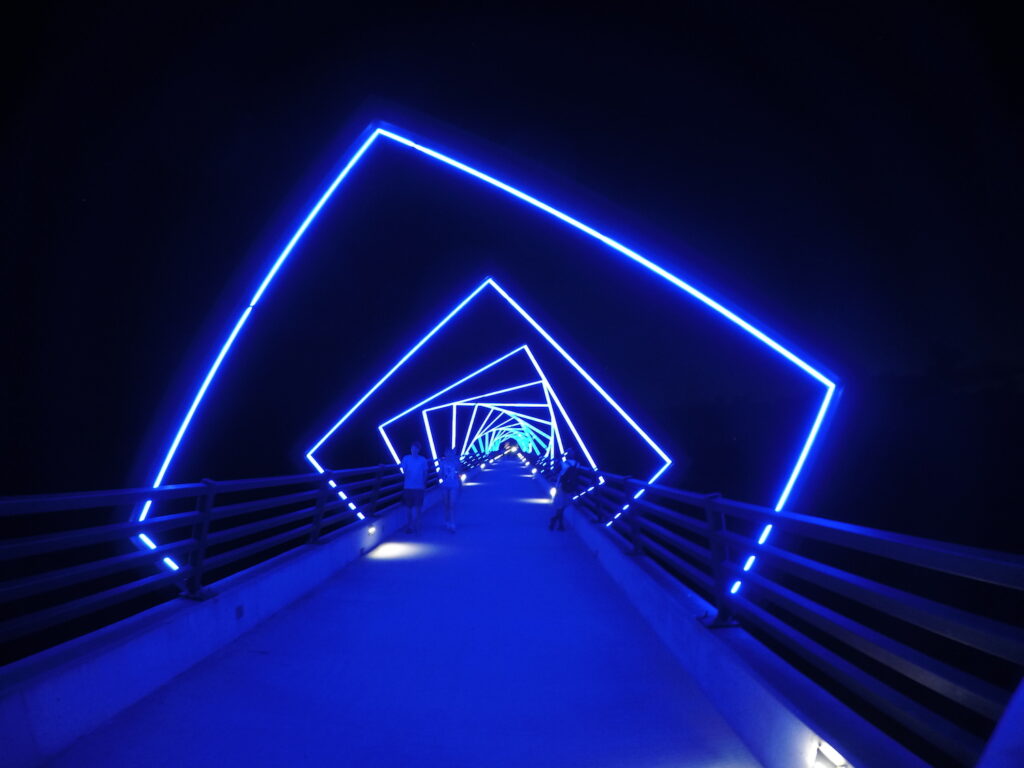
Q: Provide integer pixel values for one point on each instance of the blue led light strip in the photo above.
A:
(532, 434)
(518, 418)
(463, 380)
(392, 135)
(553, 395)
(502, 425)
(472, 420)
(549, 394)
(478, 399)
(500, 407)
(489, 422)
(430, 438)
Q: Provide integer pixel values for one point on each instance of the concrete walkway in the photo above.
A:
(503, 644)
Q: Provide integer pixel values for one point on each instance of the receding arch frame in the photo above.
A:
(380, 133)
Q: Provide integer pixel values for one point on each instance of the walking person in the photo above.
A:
(565, 486)
(414, 467)
(450, 484)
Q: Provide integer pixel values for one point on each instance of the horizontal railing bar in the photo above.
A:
(620, 540)
(257, 483)
(386, 502)
(993, 637)
(388, 499)
(241, 531)
(946, 735)
(980, 565)
(591, 504)
(608, 476)
(56, 542)
(690, 572)
(587, 505)
(226, 558)
(700, 527)
(388, 488)
(245, 507)
(614, 497)
(624, 527)
(358, 499)
(969, 691)
(687, 497)
(656, 525)
(40, 620)
(355, 485)
(337, 505)
(655, 531)
(77, 574)
(68, 502)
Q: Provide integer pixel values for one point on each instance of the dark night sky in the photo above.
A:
(850, 177)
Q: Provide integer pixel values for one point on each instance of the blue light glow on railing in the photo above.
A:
(418, 146)
(341, 494)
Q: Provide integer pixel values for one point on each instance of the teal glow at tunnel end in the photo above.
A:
(393, 135)
(491, 283)
(552, 400)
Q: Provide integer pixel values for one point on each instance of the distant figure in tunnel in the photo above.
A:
(565, 486)
(450, 483)
(414, 467)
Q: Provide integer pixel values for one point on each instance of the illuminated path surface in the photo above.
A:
(501, 645)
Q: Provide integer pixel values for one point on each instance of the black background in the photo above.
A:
(848, 176)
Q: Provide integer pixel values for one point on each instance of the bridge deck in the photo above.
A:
(501, 645)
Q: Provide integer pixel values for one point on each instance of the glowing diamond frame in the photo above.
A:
(382, 132)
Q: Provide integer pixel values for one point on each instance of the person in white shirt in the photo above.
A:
(414, 467)
(450, 483)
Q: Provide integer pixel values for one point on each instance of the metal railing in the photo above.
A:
(846, 604)
(871, 615)
(60, 584)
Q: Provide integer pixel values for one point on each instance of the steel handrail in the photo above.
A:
(722, 543)
(60, 585)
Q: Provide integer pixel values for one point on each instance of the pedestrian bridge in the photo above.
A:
(299, 628)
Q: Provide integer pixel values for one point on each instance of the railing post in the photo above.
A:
(719, 553)
(322, 497)
(194, 584)
(378, 477)
(630, 487)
